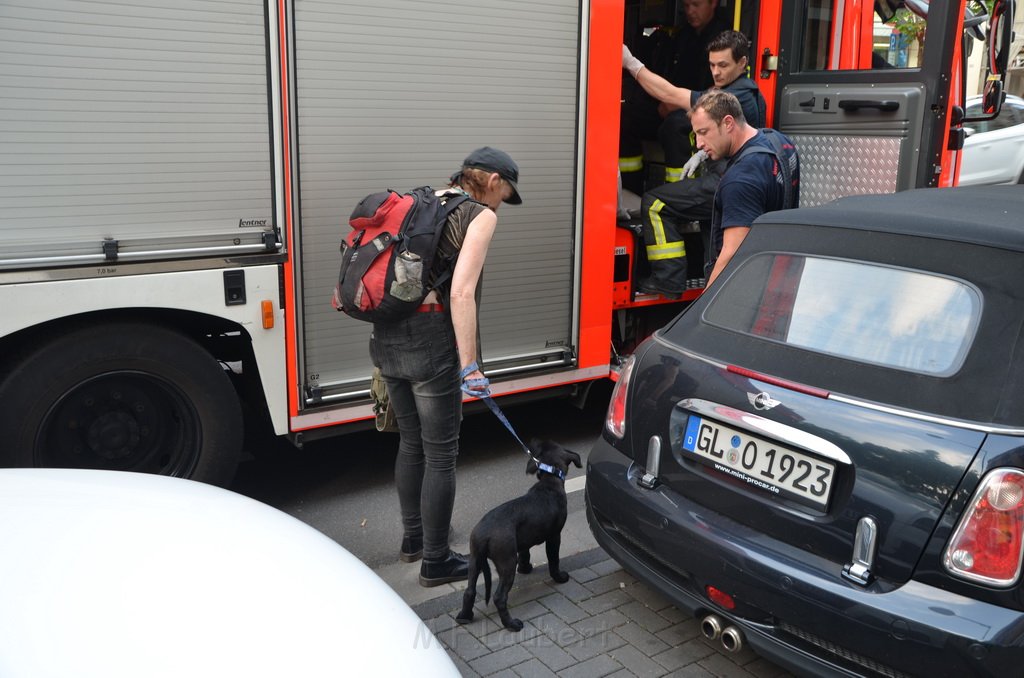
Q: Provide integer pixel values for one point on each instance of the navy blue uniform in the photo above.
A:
(752, 185)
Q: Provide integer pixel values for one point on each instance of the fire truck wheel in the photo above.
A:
(125, 397)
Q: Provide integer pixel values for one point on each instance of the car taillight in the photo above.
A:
(616, 419)
(986, 546)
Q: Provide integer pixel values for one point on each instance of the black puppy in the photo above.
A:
(506, 533)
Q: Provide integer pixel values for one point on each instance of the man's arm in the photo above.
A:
(742, 201)
(655, 85)
(732, 238)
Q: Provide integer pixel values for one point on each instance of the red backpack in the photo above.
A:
(387, 258)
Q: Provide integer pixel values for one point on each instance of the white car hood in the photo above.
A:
(114, 575)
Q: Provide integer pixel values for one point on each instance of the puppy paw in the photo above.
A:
(525, 568)
(465, 617)
(514, 625)
(560, 577)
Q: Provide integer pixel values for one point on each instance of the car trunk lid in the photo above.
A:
(800, 465)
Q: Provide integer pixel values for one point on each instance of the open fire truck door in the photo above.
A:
(871, 94)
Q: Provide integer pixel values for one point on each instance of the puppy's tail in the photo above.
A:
(485, 567)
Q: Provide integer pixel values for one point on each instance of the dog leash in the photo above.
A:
(481, 388)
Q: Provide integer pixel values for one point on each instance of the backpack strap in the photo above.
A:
(774, 138)
(354, 268)
(449, 203)
(366, 207)
(780, 156)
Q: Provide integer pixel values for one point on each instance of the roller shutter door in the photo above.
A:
(394, 94)
(144, 122)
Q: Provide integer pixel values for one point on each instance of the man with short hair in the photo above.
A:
(665, 209)
(755, 180)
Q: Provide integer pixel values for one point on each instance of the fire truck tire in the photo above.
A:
(124, 397)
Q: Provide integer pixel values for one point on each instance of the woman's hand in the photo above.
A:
(474, 383)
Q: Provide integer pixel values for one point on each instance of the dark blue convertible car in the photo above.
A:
(823, 456)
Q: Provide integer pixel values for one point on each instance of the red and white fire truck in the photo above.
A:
(175, 178)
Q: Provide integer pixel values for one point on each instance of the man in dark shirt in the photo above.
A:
(754, 182)
(690, 44)
(683, 65)
(667, 208)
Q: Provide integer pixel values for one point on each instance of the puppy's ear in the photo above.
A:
(574, 458)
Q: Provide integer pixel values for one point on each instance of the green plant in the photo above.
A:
(909, 24)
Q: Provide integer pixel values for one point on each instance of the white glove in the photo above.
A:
(630, 63)
(690, 168)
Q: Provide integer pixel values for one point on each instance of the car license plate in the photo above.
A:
(767, 466)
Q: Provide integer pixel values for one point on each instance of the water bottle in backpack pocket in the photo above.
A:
(408, 283)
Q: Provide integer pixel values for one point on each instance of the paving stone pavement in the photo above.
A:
(602, 622)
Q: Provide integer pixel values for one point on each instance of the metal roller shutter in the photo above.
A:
(394, 94)
(146, 122)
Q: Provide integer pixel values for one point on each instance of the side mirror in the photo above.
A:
(997, 49)
(992, 100)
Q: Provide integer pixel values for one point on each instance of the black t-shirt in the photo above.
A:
(751, 186)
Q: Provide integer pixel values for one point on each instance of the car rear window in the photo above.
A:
(894, 317)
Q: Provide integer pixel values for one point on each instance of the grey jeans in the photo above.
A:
(420, 365)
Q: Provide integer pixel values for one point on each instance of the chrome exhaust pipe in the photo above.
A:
(732, 640)
(711, 626)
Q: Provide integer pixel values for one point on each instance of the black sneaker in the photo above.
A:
(412, 549)
(451, 569)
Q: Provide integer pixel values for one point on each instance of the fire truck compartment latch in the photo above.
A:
(769, 63)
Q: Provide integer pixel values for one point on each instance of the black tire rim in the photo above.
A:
(122, 421)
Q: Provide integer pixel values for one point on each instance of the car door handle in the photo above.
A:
(857, 104)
